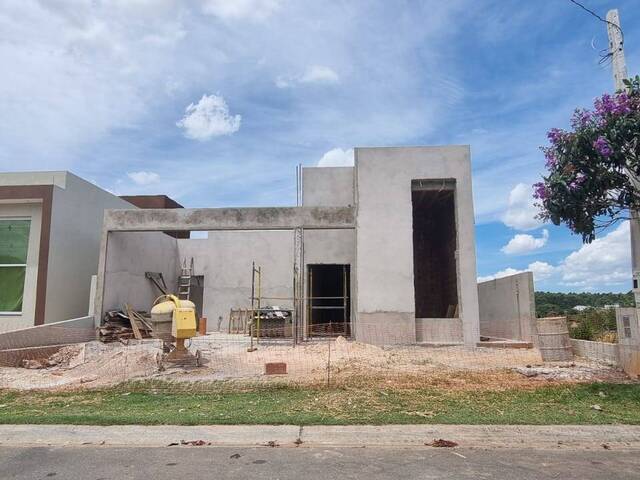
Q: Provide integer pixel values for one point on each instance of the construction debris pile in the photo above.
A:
(123, 325)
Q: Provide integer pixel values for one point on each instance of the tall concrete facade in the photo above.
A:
(396, 231)
(386, 260)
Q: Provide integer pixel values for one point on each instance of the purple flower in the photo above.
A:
(550, 156)
(539, 191)
(581, 118)
(623, 104)
(556, 135)
(619, 104)
(602, 146)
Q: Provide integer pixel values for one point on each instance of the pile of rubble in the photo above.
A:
(123, 325)
(573, 371)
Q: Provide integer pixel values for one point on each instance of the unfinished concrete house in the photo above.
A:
(383, 252)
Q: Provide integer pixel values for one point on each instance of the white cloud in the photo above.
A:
(315, 74)
(208, 118)
(604, 263)
(319, 74)
(240, 9)
(502, 273)
(144, 178)
(541, 271)
(337, 157)
(607, 260)
(75, 71)
(521, 211)
(524, 243)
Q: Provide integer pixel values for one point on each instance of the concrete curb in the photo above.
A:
(468, 436)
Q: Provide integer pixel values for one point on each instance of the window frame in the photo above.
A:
(23, 265)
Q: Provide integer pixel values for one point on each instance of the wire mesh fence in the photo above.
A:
(272, 358)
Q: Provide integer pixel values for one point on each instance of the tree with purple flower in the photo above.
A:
(593, 170)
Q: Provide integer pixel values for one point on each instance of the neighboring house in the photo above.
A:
(156, 201)
(50, 232)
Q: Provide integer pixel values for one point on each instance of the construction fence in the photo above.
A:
(238, 357)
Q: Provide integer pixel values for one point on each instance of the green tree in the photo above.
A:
(594, 168)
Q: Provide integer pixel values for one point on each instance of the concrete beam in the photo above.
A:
(268, 218)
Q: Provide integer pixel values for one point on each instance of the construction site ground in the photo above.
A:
(228, 357)
(327, 382)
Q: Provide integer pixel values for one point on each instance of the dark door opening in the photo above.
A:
(329, 300)
(434, 249)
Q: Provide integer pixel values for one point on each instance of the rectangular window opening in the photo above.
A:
(329, 302)
(14, 245)
(626, 324)
(434, 248)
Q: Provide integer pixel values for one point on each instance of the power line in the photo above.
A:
(605, 55)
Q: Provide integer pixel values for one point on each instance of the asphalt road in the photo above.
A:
(101, 463)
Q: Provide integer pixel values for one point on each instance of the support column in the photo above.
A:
(298, 284)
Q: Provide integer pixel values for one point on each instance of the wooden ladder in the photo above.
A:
(184, 281)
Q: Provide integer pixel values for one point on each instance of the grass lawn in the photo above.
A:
(151, 404)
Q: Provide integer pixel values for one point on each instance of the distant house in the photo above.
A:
(581, 308)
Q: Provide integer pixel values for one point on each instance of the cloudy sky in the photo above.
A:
(214, 102)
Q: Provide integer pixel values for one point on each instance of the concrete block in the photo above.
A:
(385, 328)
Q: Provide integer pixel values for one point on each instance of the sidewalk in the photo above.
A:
(469, 436)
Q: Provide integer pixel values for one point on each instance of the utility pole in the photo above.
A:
(619, 74)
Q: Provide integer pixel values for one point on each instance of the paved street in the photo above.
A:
(102, 463)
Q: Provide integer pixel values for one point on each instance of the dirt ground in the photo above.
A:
(226, 357)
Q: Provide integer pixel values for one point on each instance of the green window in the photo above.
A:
(14, 243)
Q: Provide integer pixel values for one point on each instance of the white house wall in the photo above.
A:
(76, 226)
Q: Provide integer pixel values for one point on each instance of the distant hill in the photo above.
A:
(550, 303)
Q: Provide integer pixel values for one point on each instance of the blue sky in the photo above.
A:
(103, 88)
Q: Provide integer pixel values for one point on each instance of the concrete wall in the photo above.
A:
(596, 351)
(629, 346)
(439, 330)
(328, 186)
(224, 259)
(33, 211)
(129, 256)
(384, 238)
(634, 326)
(76, 228)
(70, 331)
(507, 308)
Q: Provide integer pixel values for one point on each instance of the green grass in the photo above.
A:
(151, 404)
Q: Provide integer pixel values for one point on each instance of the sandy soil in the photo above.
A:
(94, 364)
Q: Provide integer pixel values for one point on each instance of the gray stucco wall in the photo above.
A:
(328, 186)
(508, 308)
(76, 228)
(129, 256)
(384, 238)
(224, 259)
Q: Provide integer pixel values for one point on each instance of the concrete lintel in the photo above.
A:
(198, 219)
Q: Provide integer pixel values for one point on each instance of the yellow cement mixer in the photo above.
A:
(174, 320)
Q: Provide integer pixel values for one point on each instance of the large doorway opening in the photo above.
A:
(329, 300)
(434, 248)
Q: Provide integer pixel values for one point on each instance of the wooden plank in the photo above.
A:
(134, 324)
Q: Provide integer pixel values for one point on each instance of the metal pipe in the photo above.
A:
(344, 300)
